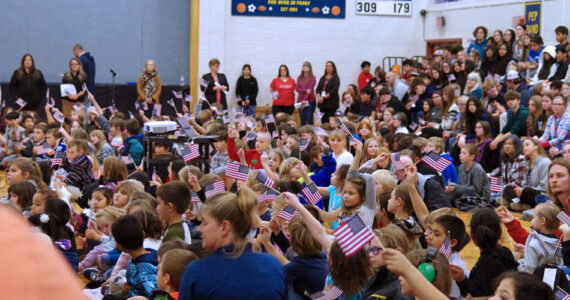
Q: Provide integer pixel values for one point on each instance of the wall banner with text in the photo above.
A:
(332, 9)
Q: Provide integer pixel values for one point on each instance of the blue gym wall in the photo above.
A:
(120, 34)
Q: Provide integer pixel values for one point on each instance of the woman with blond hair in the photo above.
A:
(149, 85)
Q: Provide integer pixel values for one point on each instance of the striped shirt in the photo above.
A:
(557, 130)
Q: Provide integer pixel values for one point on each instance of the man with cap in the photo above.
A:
(514, 82)
(561, 62)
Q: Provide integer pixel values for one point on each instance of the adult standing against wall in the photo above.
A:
(216, 84)
(283, 91)
(76, 76)
(149, 86)
(327, 91)
(246, 90)
(305, 87)
(88, 63)
(28, 83)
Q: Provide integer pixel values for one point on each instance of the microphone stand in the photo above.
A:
(113, 88)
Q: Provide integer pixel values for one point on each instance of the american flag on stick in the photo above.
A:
(321, 132)
(445, 248)
(274, 134)
(268, 182)
(312, 194)
(329, 294)
(269, 118)
(188, 98)
(343, 127)
(21, 102)
(288, 213)
(250, 136)
(214, 188)
(177, 94)
(57, 160)
(156, 110)
(436, 161)
(495, 186)
(560, 294)
(270, 194)
(353, 235)
(58, 116)
(237, 171)
(203, 82)
(303, 143)
(113, 109)
(171, 103)
(190, 152)
(78, 107)
(195, 198)
(127, 160)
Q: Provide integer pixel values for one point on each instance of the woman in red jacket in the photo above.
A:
(283, 92)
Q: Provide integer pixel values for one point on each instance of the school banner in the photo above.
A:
(331, 9)
(532, 16)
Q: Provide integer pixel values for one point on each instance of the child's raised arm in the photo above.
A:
(418, 204)
(316, 229)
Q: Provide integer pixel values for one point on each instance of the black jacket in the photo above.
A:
(332, 86)
(30, 87)
(209, 92)
(382, 285)
(247, 89)
(487, 268)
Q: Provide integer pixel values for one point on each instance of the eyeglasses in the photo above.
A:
(374, 250)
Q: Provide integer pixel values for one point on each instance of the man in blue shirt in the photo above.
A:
(536, 47)
(88, 63)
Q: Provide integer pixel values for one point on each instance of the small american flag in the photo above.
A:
(312, 194)
(131, 116)
(214, 188)
(321, 132)
(251, 136)
(269, 118)
(353, 235)
(195, 197)
(190, 152)
(21, 102)
(144, 106)
(495, 186)
(396, 162)
(413, 126)
(288, 213)
(156, 110)
(43, 150)
(226, 118)
(57, 160)
(303, 143)
(78, 107)
(237, 171)
(275, 134)
(177, 95)
(203, 82)
(127, 160)
(329, 294)
(564, 218)
(270, 194)
(268, 182)
(343, 127)
(202, 97)
(52, 101)
(58, 116)
(560, 294)
(171, 103)
(113, 109)
(238, 110)
(436, 161)
(445, 248)
(188, 98)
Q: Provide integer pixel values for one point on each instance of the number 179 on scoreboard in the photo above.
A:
(381, 7)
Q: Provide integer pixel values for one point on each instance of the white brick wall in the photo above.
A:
(267, 42)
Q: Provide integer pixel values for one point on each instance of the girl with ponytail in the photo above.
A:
(494, 260)
(227, 219)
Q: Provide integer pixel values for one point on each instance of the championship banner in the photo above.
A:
(331, 9)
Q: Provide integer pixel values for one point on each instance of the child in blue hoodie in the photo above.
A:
(142, 269)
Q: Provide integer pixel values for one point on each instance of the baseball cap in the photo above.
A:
(512, 75)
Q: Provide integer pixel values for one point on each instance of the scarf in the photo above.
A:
(149, 82)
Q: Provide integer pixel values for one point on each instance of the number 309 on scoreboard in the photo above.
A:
(384, 7)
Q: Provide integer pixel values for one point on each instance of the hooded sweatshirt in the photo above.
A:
(538, 250)
(141, 274)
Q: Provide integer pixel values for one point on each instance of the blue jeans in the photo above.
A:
(306, 114)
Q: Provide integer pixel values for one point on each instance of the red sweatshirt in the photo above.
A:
(251, 155)
(363, 80)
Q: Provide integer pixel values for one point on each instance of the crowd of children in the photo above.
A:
(267, 218)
